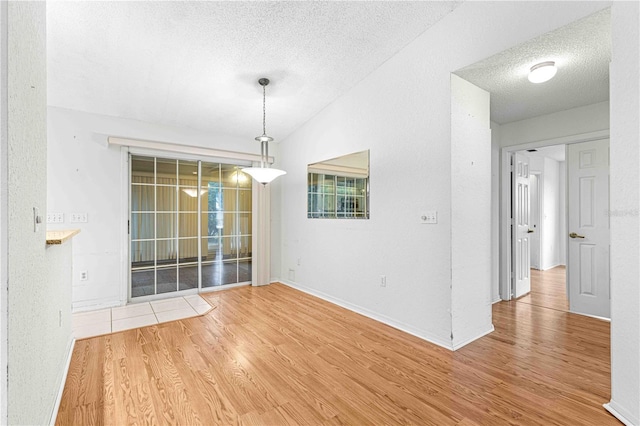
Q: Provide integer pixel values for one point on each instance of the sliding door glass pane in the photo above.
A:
(142, 197)
(142, 226)
(166, 225)
(143, 170)
(244, 270)
(142, 253)
(229, 272)
(166, 171)
(188, 250)
(188, 173)
(210, 173)
(166, 198)
(244, 200)
(166, 252)
(244, 180)
(188, 225)
(166, 279)
(189, 221)
(211, 274)
(211, 249)
(188, 276)
(143, 282)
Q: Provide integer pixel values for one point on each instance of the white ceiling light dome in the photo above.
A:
(544, 71)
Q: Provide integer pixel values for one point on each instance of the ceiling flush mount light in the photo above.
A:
(264, 174)
(542, 72)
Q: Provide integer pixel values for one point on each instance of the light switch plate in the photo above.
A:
(78, 218)
(55, 217)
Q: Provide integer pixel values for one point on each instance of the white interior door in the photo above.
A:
(588, 226)
(521, 227)
(534, 211)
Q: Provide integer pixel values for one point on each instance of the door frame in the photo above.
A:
(505, 289)
(125, 180)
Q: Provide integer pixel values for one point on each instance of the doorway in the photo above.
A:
(547, 224)
(189, 226)
(580, 207)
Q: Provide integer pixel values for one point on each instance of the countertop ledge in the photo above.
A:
(60, 236)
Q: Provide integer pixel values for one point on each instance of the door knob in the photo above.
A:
(574, 235)
(529, 231)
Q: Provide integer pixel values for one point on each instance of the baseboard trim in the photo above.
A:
(97, 306)
(474, 337)
(591, 316)
(546, 268)
(370, 314)
(63, 381)
(620, 414)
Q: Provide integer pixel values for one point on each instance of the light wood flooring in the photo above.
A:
(548, 289)
(274, 356)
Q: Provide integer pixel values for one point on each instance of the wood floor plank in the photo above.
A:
(275, 356)
(548, 289)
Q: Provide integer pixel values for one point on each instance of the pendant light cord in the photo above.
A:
(264, 110)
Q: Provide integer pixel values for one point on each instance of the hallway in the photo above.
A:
(548, 289)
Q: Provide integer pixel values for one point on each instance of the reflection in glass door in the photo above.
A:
(190, 225)
(226, 218)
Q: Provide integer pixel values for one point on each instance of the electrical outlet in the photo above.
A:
(84, 275)
(429, 217)
(383, 280)
(78, 218)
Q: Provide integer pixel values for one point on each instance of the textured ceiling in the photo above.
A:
(196, 64)
(582, 52)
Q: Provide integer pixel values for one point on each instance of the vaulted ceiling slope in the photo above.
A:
(196, 64)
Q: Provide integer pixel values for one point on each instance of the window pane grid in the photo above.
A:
(184, 216)
(331, 196)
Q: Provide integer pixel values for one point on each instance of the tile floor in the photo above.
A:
(105, 321)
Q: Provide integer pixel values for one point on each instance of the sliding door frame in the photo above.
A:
(126, 153)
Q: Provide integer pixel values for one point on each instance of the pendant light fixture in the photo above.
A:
(264, 174)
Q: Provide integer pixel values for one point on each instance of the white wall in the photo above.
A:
(625, 205)
(401, 113)
(276, 222)
(470, 212)
(85, 176)
(495, 212)
(571, 122)
(39, 290)
(536, 164)
(4, 207)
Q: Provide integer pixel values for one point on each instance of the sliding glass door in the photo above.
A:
(226, 239)
(190, 225)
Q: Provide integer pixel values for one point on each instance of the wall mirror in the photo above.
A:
(338, 188)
